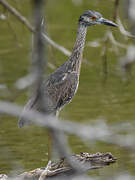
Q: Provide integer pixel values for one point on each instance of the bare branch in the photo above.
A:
(122, 29)
(114, 42)
(62, 170)
(38, 63)
(116, 5)
(99, 132)
(46, 171)
(17, 14)
(52, 122)
(57, 46)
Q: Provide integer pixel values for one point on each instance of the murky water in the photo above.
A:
(112, 100)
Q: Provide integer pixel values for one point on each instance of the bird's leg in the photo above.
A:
(49, 145)
(50, 142)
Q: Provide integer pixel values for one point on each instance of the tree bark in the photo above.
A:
(61, 170)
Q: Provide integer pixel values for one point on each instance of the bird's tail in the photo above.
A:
(21, 122)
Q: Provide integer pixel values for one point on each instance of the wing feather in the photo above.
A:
(58, 91)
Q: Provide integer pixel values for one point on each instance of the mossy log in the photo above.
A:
(61, 169)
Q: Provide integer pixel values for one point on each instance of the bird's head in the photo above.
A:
(89, 18)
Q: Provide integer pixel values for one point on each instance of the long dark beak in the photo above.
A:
(107, 22)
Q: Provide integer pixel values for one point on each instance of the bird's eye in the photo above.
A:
(93, 18)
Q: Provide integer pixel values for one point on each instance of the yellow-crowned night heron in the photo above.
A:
(61, 85)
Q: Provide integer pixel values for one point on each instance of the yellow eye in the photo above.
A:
(93, 18)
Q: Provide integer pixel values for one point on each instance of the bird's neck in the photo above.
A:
(77, 53)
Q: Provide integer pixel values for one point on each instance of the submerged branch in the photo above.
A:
(62, 170)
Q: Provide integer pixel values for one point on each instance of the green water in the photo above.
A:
(113, 100)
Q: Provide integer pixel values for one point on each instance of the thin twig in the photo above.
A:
(52, 122)
(99, 132)
(45, 172)
(17, 14)
(122, 29)
(16, 39)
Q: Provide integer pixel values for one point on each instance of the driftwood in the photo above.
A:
(61, 170)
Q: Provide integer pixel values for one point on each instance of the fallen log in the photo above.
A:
(61, 169)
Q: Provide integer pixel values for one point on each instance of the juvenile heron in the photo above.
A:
(62, 84)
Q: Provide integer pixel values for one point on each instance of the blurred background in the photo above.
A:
(106, 93)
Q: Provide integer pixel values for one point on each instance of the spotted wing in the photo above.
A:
(62, 91)
(58, 91)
